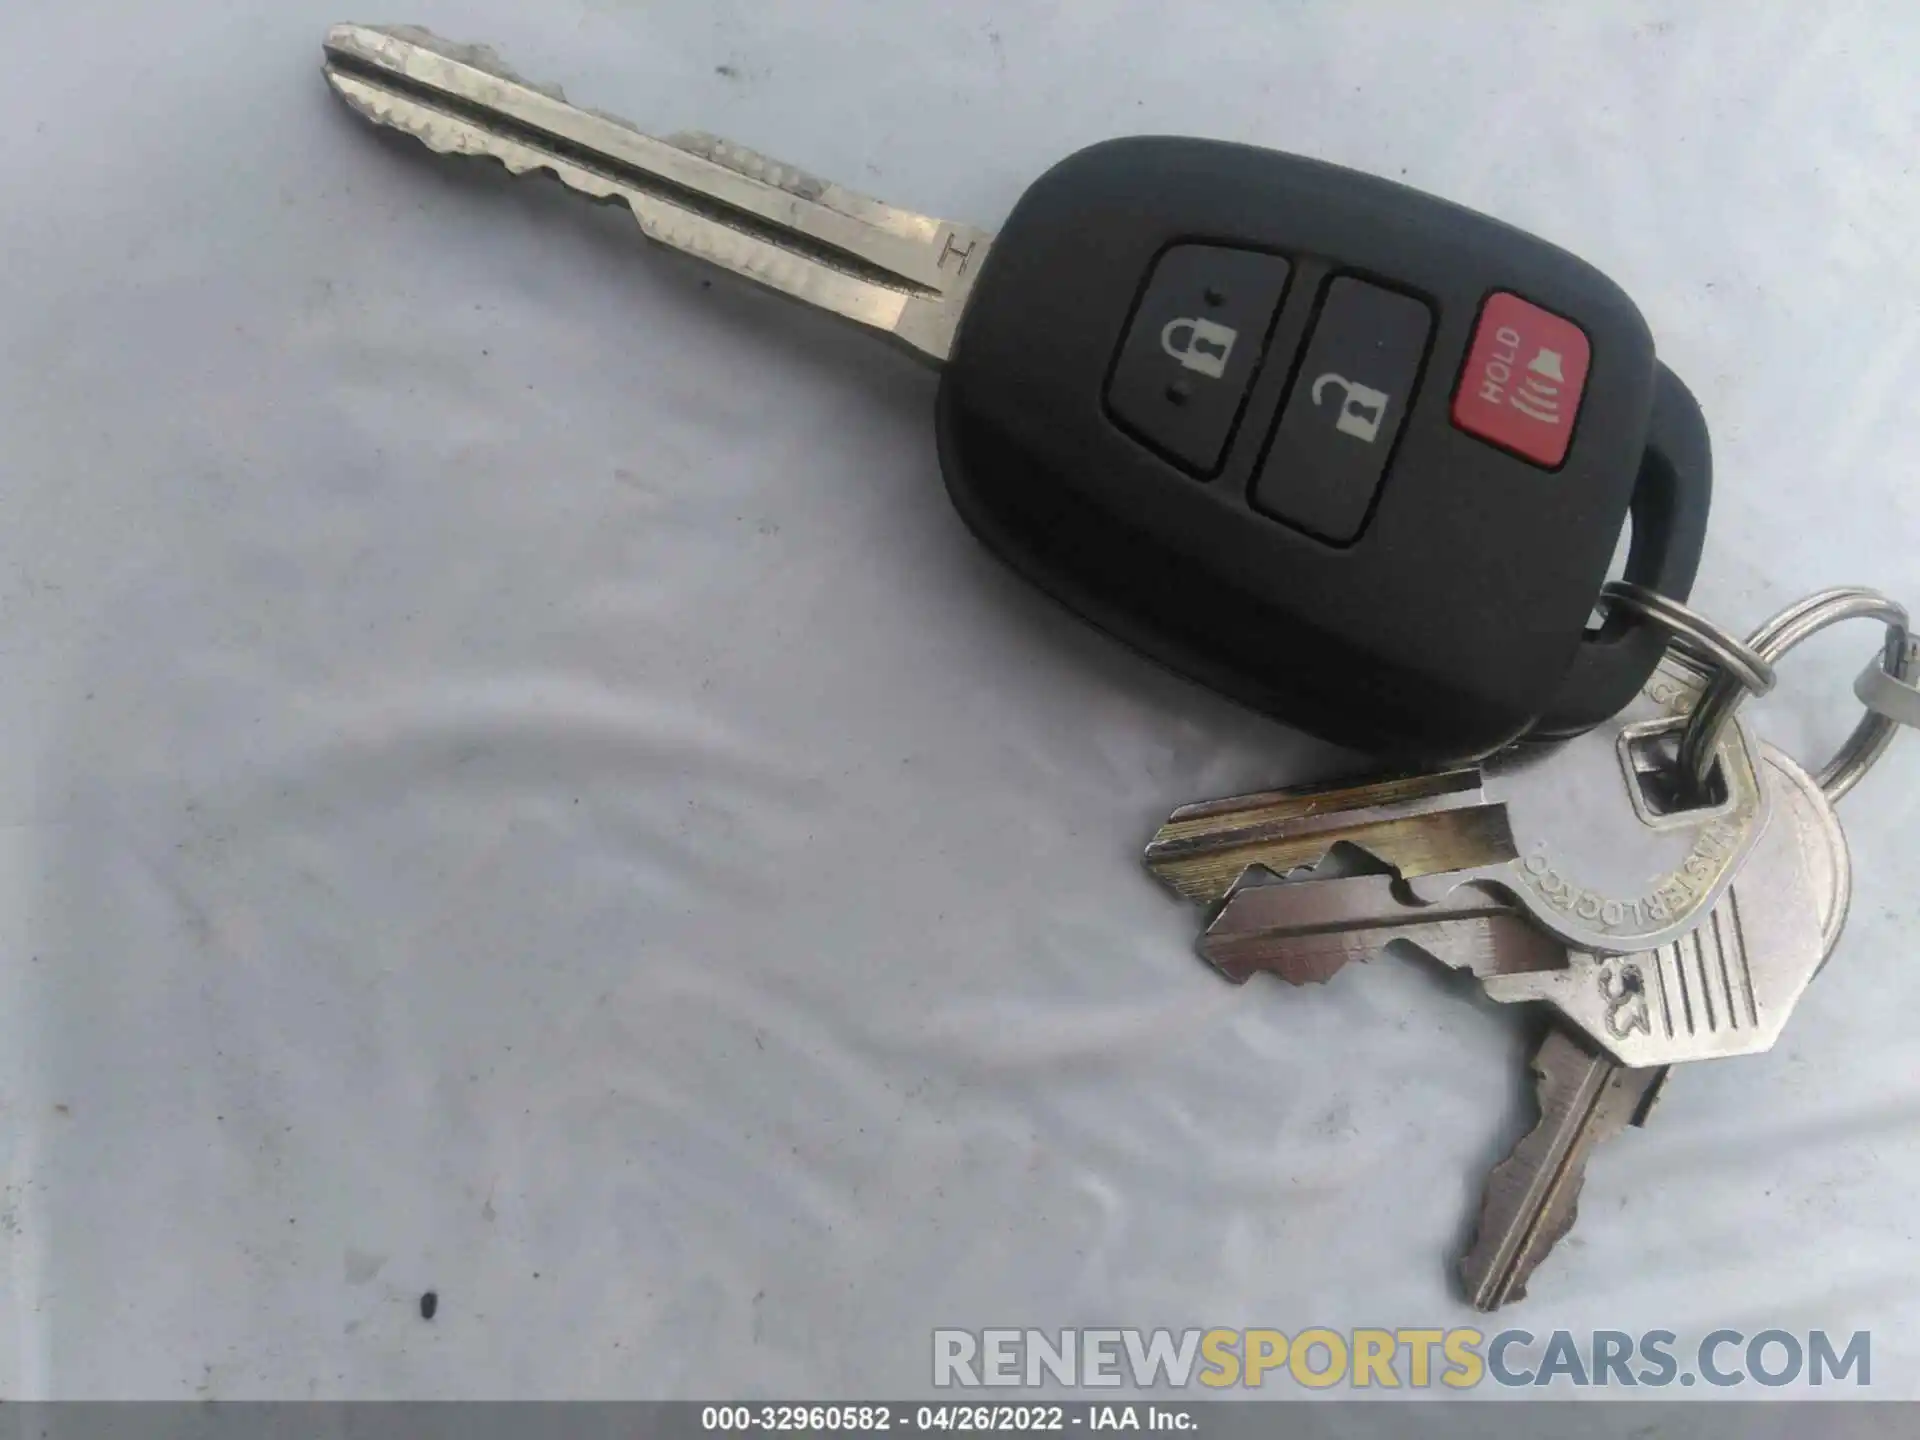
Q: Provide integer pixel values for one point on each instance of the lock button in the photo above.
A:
(1350, 396)
(1192, 350)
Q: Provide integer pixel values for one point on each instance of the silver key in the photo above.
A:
(1725, 988)
(1532, 1197)
(1576, 834)
(904, 275)
(1306, 931)
(1728, 987)
(1729, 993)
(1622, 1022)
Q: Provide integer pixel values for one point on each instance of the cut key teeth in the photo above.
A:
(1306, 931)
(904, 274)
(1419, 825)
(1533, 1196)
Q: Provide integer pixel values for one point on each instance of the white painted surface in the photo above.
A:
(515, 781)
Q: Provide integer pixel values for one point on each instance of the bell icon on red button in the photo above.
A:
(1534, 397)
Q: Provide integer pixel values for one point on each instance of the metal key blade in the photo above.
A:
(902, 274)
(1573, 833)
(1420, 825)
(1306, 931)
(1533, 1195)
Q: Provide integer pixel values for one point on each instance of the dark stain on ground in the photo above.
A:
(732, 72)
(429, 1305)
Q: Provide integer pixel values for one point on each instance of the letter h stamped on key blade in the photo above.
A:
(897, 272)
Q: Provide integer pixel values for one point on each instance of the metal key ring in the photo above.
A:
(1774, 639)
(1692, 634)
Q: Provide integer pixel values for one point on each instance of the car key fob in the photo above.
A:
(1354, 455)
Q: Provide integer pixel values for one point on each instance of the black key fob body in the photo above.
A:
(1353, 455)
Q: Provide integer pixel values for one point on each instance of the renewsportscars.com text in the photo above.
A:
(1406, 1358)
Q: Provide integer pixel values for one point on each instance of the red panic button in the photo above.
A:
(1523, 380)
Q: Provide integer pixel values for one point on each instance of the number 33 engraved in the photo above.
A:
(1625, 992)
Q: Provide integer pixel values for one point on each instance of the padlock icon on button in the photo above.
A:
(1202, 345)
(1361, 411)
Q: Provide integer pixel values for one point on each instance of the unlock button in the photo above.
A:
(1350, 397)
(1192, 349)
(1362, 410)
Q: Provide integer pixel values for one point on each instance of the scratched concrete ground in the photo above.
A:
(516, 783)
